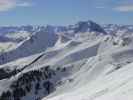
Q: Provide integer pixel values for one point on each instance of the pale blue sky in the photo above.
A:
(63, 12)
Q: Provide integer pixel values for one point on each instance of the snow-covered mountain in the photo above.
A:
(84, 61)
(118, 30)
(38, 39)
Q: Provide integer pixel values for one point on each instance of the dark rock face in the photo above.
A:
(89, 26)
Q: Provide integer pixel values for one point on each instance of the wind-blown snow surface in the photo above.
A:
(81, 62)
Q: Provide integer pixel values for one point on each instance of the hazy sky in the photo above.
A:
(63, 12)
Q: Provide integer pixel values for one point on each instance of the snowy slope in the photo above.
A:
(115, 86)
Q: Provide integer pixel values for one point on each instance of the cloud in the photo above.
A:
(6, 5)
(124, 8)
(24, 4)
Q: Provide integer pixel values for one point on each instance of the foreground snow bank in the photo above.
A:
(114, 86)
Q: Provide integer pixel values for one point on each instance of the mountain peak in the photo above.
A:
(88, 26)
